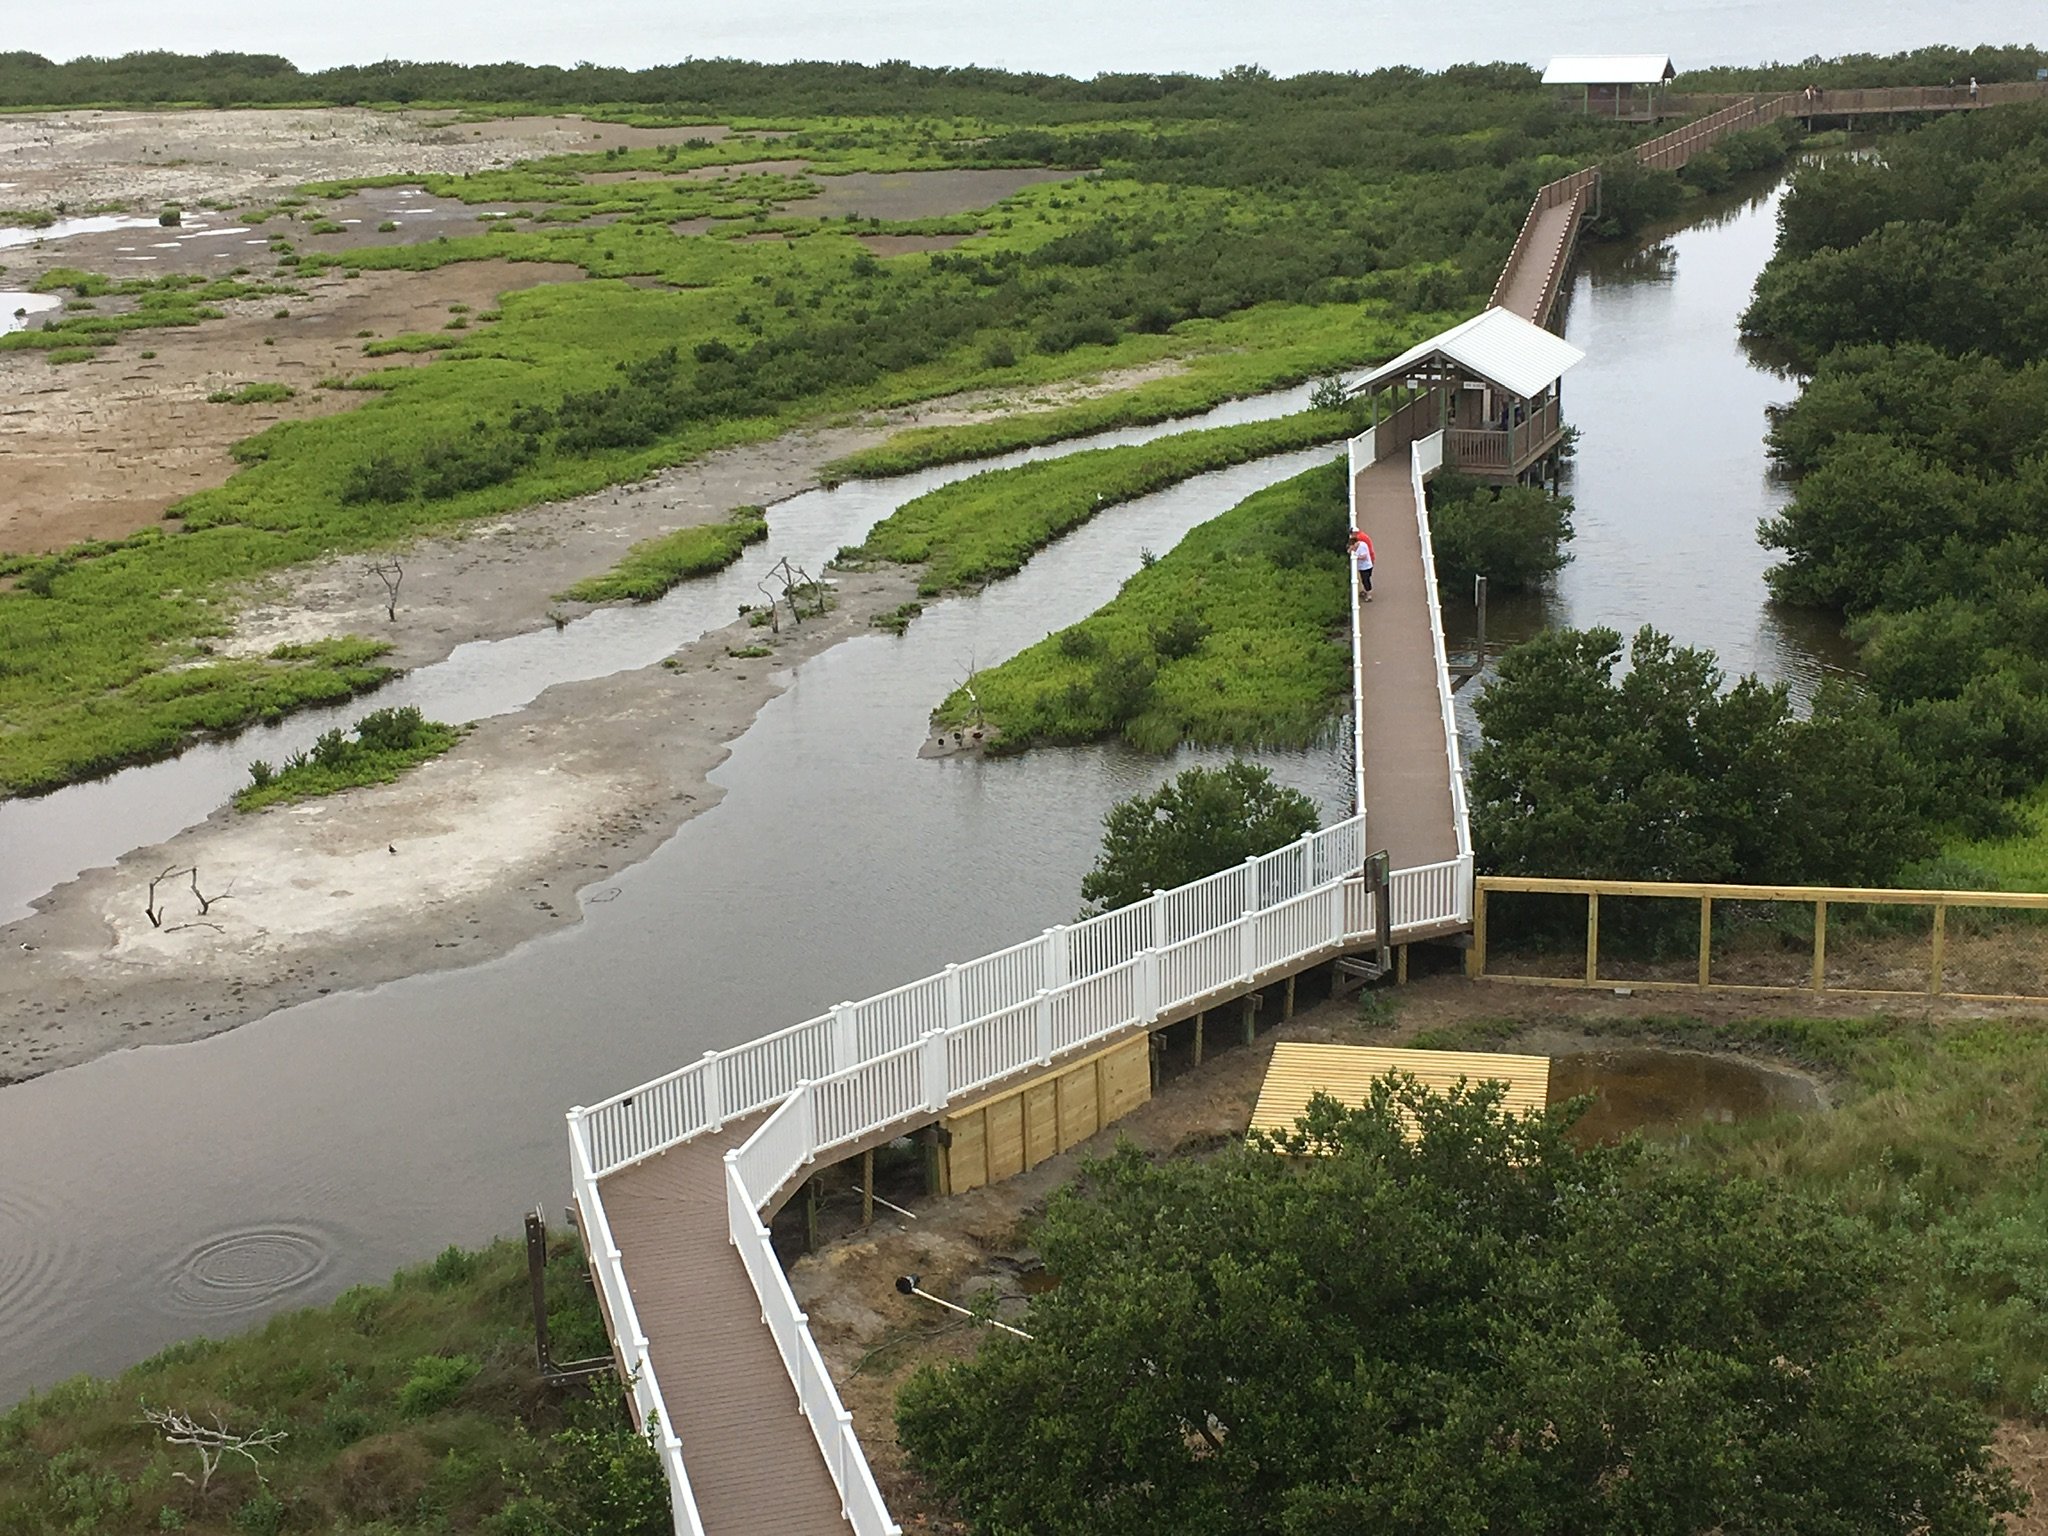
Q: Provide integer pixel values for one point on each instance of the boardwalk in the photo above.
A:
(1406, 761)
(753, 1462)
(722, 1358)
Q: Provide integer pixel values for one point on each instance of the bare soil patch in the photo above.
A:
(918, 194)
(458, 861)
(146, 159)
(99, 449)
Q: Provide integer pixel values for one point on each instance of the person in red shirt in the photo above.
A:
(1361, 560)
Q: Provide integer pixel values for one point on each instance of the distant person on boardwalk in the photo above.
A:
(1973, 90)
(1361, 559)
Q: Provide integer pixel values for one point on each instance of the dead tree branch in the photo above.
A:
(212, 1443)
(205, 901)
(391, 573)
(150, 909)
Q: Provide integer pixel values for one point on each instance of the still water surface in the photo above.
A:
(162, 1192)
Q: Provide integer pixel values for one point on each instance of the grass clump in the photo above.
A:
(985, 527)
(406, 1409)
(253, 394)
(897, 620)
(386, 743)
(1234, 637)
(656, 566)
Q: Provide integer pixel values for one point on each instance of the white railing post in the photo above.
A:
(807, 1117)
(952, 996)
(1043, 1021)
(714, 1093)
(845, 1038)
(1251, 882)
(1056, 962)
(932, 1057)
(1248, 942)
(1158, 920)
(1151, 990)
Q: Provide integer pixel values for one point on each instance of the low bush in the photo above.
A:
(386, 743)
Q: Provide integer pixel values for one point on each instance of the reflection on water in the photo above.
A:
(17, 309)
(51, 838)
(201, 1185)
(277, 1164)
(1643, 1088)
(1671, 477)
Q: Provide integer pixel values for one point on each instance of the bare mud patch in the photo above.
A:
(918, 194)
(99, 449)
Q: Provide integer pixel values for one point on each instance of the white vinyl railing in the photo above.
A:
(1425, 459)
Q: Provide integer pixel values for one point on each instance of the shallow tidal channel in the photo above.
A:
(166, 1191)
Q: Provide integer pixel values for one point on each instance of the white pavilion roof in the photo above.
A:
(1497, 345)
(1609, 69)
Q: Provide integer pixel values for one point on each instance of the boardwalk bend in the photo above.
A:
(675, 1179)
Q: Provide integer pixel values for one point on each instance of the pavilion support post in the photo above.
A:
(1592, 938)
(1820, 946)
(1706, 939)
(1250, 1018)
(867, 1187)
(1287, 1000)
(813, 1198)
(1401, 965)
(1201, 1022)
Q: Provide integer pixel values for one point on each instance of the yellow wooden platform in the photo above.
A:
(1347, 1072)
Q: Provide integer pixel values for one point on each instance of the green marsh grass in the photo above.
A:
(985, 527)
(385, 743)
(1236, 637)
(407, 1409)
(656, 566)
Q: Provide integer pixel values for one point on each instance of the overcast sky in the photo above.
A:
(1064, 36)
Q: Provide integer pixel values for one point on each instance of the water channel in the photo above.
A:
(167, 1191)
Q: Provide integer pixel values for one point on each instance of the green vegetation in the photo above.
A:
(1474, 1327)
(985, 527)
(1666, 775)
(1911, 286)
(172, 300)
(1236, 636)
(1922, 66)
(1245, 229)
(252, 394)
(1513, 535)
(656, 566)
(411, 1409)
(1205, 820)
(387, 742)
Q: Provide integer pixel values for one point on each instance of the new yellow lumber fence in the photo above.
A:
(1977, 946)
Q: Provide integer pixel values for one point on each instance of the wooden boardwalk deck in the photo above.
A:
(754, 1464)
(1527, 290)
(1407, 768)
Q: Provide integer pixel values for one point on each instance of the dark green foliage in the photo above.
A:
(1943, 241)
(1664, 775)
(1913, 287)
(1632, 195)
(1920, 66)
(1513, 535)
(387, 742)
(1473, 1328)
(1204, 820)
(435, 1382)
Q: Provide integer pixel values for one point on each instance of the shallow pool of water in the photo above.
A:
(1667, 1092)
(18, 309)
(14, 236)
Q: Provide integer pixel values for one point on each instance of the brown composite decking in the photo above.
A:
(1407, 768)
(754, 1465)
(1529, 267)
